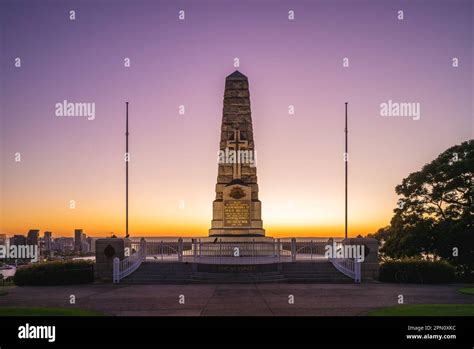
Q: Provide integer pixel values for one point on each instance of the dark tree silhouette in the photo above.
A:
(434, 213)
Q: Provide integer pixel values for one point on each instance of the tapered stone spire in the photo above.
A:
(237, 210)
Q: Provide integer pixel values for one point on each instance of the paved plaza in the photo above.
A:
(233, 299)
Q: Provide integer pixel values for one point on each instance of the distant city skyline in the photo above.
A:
(53, 247)
(177, 63)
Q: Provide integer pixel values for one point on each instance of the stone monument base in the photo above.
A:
(233, 232)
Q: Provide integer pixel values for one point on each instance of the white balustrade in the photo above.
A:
(217, 251)
(349, 267)
(126, 266)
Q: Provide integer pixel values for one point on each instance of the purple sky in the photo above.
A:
(185, 63)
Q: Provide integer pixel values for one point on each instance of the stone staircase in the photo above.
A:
(184, 273)
(160, 273)
(313, 272)
(237, 278)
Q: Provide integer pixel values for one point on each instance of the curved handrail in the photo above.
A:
(349, 267)
(126, 266)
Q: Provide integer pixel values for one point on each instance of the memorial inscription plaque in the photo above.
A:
(237, 213)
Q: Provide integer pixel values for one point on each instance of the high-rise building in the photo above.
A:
(63, 244)
(78, 238)
(48, 241)
(32, 237)
(18, 240)
(3, 239)
(85, 248)
(91, 242)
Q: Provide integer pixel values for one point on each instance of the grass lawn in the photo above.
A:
(3, 291)
(19, 311)
(425, 310)
(467, 290)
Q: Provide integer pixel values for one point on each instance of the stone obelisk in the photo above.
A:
(237, 209)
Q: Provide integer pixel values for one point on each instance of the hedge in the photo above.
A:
(417, 271)
(55, 273)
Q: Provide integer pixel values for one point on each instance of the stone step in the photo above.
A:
(182, 273)
(155, 282)
(314, 275)
(163, 266)
(177, 268)
(267, 273)
(235, 281)
(158, 277)
(151, 273)
(324, 268)
(162, 271)
(313, 268)
(301, 275)
(320, 280)
(230, 277)
(310, 271)
(307, 265)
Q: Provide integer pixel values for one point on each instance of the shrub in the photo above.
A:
(417, 271)
(464, 273)
(55, 273)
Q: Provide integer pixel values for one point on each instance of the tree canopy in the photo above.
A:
(434, 214)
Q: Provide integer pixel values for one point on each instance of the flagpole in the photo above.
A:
(346, 161)
(126, 172)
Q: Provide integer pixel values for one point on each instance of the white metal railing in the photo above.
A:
(126, 266)
(228, 251)
(232, 252)
(216, 250)
(348, 266)
(309, 249)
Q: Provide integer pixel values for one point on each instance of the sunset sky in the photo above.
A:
(300, 164)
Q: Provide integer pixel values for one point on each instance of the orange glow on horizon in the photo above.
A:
(100, 227)
(101, 212)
